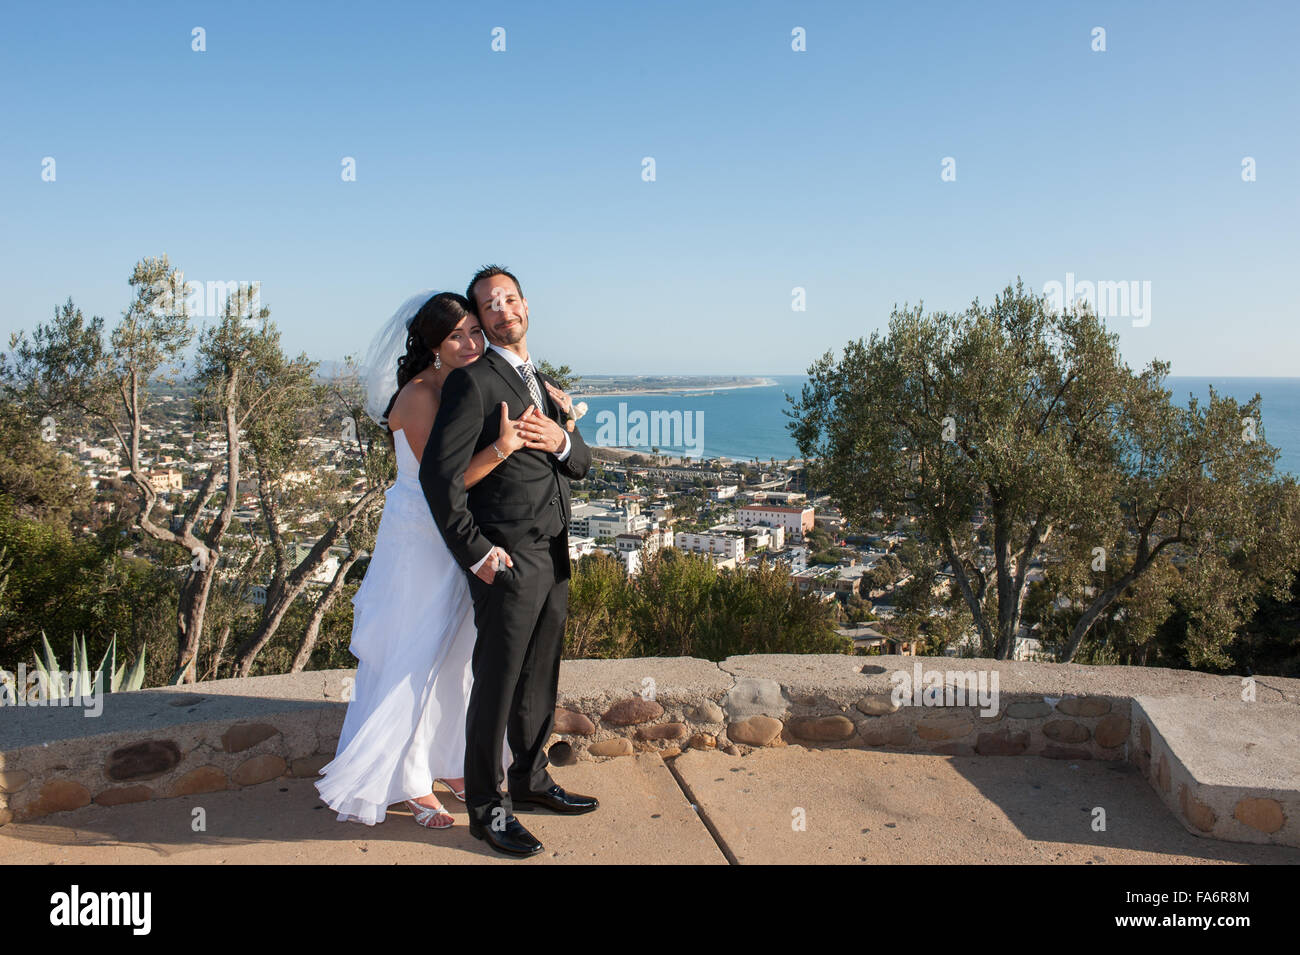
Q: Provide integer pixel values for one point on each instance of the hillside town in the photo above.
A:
(176, 457)
(738, 515)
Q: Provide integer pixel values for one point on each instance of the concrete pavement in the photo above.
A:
(782, 805)
(642, 815)
(882, 808)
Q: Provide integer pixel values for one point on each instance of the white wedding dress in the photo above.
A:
(413, 634)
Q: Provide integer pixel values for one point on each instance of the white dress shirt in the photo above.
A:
(515, 362)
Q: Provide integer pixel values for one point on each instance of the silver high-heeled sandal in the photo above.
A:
(425, 814)
(459, 795)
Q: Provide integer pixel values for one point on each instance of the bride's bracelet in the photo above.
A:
(500, 456)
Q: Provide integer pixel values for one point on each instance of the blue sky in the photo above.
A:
(774, 168)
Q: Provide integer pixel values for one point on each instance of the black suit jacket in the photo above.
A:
(514, 497)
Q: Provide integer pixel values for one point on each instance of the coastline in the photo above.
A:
(620, 454)
(577, 395)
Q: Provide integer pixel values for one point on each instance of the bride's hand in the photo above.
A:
(511, 438)
(564, 402)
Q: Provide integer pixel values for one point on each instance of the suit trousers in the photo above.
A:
(520, 618)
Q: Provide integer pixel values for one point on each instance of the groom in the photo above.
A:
(510, 533)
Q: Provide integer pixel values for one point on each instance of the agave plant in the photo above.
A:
(86, 682)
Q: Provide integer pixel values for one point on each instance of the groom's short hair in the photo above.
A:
(486, 273)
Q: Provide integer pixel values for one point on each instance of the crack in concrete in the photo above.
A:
(734, 679)
(709, 826)
(1277, 690)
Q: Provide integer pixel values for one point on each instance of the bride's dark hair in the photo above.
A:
(427, 330)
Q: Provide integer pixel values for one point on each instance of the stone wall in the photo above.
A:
(1188, 755)
(170, 758)
(1089, 727)
(227, 734)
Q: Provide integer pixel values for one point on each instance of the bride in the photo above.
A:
(413, 628)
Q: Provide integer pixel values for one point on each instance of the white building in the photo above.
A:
(88, 452)
(786, 498)
(165, 479)
(660, 511)
(580, 547)
(796, 521)
(649, 541)
(631, 562)
(723, 543)
(760, 535)
(601, 521)
(328, 568)
(756, 535)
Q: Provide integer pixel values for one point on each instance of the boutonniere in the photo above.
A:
(571, 416)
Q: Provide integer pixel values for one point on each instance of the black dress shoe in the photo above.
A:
(513, 840)
(556, 800)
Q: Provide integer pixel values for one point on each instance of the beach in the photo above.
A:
(579, 395)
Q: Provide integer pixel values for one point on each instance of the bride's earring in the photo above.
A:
(437, 362)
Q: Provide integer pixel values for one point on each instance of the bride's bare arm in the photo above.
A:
(482, 463)
(414, 413)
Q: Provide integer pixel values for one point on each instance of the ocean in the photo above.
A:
(749, 424)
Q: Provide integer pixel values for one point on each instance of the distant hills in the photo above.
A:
(625, 384)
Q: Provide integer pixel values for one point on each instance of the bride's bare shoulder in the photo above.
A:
(417, 401)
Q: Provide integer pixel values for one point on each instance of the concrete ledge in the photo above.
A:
(233, 733)
(1225, 769)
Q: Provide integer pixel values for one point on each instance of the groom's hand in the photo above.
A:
(496, 559)
(541, 432)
